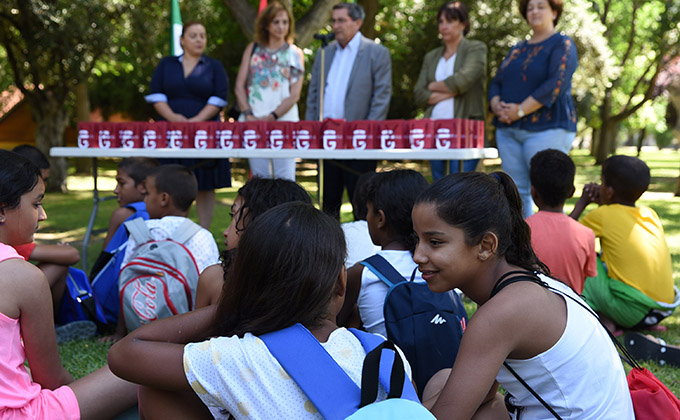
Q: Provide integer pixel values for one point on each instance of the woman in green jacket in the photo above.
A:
(451, 80)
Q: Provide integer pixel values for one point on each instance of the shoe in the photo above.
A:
(76, 330)
(645, 348)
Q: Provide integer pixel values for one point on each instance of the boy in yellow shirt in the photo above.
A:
(634, 286)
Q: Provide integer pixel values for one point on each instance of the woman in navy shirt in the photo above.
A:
(193, 87)
(531, 95)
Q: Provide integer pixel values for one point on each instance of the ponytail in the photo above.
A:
(519, 252)
(478, 203)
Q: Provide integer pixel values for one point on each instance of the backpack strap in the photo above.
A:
(383, 270)
(387, 368)
(138, 230)
(185, 231)
(322, 390)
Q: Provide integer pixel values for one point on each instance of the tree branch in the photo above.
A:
(626, 112)
(631, 37)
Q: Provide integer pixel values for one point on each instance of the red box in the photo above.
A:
(129, 135)
(332, 134)
(87, 134)
(153, 135)
(447, 134)
(420, 134)
(306, 135)
(227, 135)
(203, 135)
(391, 134)
(360, 135)
(280, 135)
(253, 134)
(107, 136)
(179, 135)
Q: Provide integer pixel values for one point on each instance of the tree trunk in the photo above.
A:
(51, 116)
(371, 9)
(606, 143)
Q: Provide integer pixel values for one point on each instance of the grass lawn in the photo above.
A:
(68, 214)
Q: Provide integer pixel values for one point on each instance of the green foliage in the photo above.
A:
(48, 46)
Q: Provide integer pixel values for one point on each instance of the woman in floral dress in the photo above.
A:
(269, 81)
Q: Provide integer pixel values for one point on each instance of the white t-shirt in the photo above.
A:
(202, 245)
(443, 109)
(359, 243)
(581, 377)
(373, 291)
(241, 376)
(338, 78)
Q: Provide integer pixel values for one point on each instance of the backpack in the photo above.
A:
(162, 276)
(104, 273)
(427, 326)
(332, 391)
(78, 303)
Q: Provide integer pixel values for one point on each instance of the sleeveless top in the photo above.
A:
(17, 388)
(580, 377)
(270, 76)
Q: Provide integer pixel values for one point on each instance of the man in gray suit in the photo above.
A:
(358, 86)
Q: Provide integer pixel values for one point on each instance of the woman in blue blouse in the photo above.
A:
(193, 87)
(531, 95)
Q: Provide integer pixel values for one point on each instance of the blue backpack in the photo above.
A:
(107, 268)
(427, 326)
(78, 303)
(332, 391)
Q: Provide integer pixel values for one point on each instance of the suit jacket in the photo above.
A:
(467, 81)
(370, 83)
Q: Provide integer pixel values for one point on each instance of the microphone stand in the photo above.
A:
(322, 87)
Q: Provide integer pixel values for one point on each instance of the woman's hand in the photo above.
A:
(251, 117)
(175, 117)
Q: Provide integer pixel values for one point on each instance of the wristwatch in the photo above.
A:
(520, 111)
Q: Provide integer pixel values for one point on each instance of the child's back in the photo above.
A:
(634, 285)
(634, 248)
(564, 245)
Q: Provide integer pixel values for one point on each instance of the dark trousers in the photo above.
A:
(336, 178)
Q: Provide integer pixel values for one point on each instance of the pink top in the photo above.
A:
(17, 388)
(565, 246)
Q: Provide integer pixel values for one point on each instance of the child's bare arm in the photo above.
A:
(34, 301)
(152, 354)
(61, 254)
(591, 194)
(118, 216)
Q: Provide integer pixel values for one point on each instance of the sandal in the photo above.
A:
(644, 348)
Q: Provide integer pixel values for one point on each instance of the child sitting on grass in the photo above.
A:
(254, 198)
(634, 285)
(564, 245)
(130, 190)
(27, 324)
(170, 191)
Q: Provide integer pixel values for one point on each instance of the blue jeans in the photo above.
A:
(438, 167)
(516, 147)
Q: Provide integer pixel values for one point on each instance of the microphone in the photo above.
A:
(325, 37)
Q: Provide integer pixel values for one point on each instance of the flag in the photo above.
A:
(175, 28)
(263, 4)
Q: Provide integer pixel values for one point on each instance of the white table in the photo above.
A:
(320, 154)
